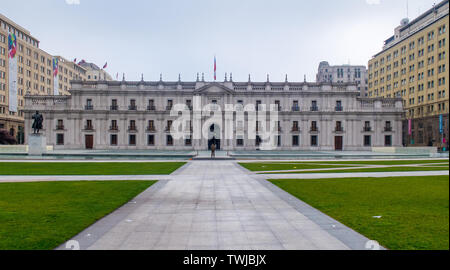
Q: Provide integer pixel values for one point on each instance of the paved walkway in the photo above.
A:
(212, 205)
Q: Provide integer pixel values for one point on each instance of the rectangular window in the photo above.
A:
(169, 140)
(151, 105)
(295, 140)
(314, 126)
(240, 142)
(339, 126)
(338, 105)
(132, 125)
(60, 125)
(151, 125)
(367, 140)
(89, 125)
(113, 139)
(132, 139)
(89, 105)
(295, 126)
(113, 125)
(169, 104)
(388, 140)
(314, 140)
(60, 139)
(132, 106)
(188, 142)
(151, 139)
(169, 125)
(114, 106)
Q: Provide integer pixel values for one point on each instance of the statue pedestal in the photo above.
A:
(37, 144)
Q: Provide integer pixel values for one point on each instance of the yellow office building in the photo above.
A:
(414, 65)
(34, 75)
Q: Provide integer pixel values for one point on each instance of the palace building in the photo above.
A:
(139, 115)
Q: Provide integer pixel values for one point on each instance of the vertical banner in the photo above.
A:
(409, 127)
(55, 77)
(441, 124)
(12, 72)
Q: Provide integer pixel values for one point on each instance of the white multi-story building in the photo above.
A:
(137, 115)
(344, 74)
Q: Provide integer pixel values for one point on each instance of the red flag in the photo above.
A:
(105, 65)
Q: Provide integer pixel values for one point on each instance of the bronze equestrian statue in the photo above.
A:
(37, 124)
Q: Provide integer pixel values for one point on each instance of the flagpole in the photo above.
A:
(215, 68)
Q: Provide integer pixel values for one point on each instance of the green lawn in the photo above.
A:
(377, 162)
(414, 210)
(41, 216)
(387, 169)
(88, 168)
(281, 166)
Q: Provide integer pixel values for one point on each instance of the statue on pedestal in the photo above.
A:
(37, 124)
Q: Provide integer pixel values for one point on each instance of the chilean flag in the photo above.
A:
(215, 68)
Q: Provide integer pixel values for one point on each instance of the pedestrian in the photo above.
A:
(213, 150)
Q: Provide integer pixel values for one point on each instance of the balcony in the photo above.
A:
(314, 109)
(167, 129)
(89, 128)
(132, 128)
(388, 129)
(60, 127)
(168, 108)
(338, 129)
(150, 108)
(367, 129)
(114, 108)
(314, 129)
(132, 108)
(150, 129)
(113, 128)
(339, 108)
(89, 107)
(295, 129)
(295, 108)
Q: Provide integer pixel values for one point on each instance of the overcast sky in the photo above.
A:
(256, 37)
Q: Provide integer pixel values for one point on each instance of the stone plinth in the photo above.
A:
(37, 144)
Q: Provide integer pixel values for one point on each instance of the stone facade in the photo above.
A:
(414, 65)
(136, 115)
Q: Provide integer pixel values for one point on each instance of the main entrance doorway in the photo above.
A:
(214, 136)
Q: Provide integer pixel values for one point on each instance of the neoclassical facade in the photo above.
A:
(127, 115)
